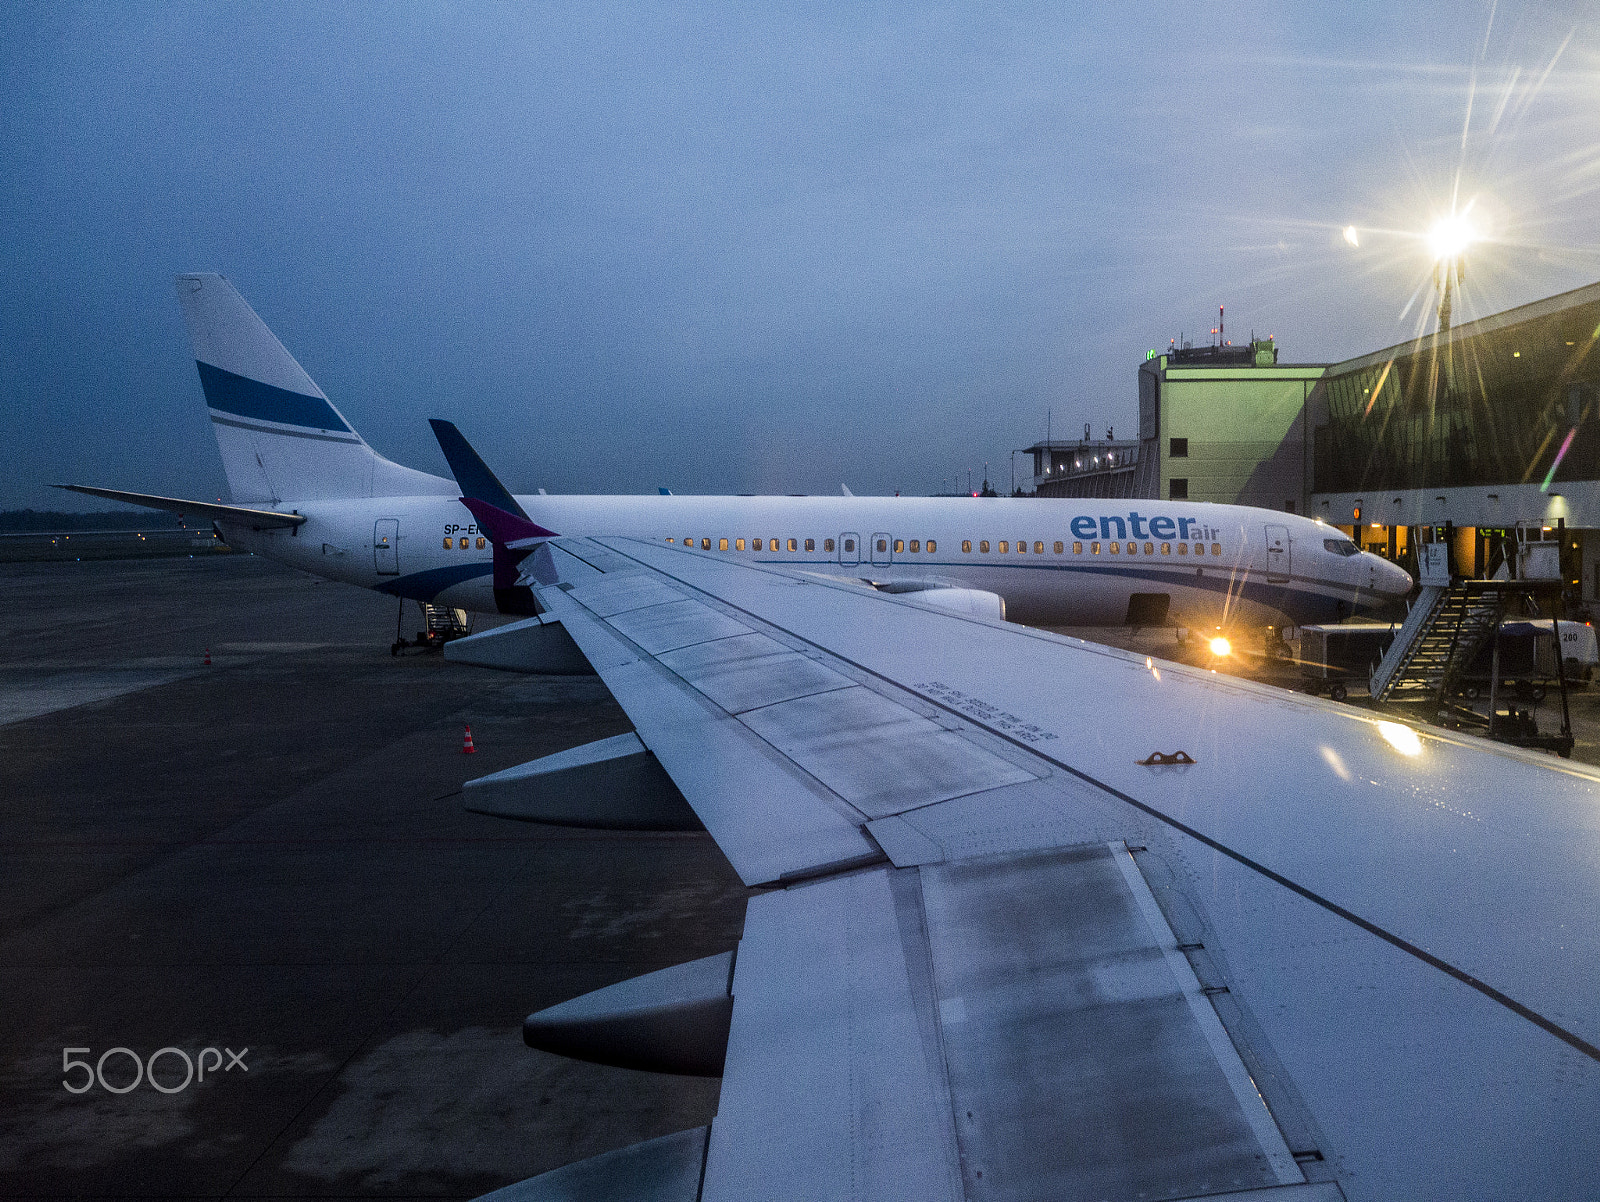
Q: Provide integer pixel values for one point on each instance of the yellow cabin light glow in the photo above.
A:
(1220, 647)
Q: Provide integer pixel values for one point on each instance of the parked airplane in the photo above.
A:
(310, 492)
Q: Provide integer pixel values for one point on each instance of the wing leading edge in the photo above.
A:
(1013, 961)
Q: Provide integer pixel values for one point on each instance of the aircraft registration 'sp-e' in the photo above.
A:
(308, 490)
(1043, 919)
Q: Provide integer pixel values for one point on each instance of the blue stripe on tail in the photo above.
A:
(245, 397)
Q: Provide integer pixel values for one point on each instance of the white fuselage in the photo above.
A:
(1055, 561)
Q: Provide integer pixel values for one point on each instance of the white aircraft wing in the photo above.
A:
(1042, 919)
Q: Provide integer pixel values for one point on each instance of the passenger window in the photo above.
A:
(966, 545)
(756, 543)
(447, 544)
(738, 544)
(1114, 548)
(1132, 548)
(849, 544)
(463, 544)
(931, 547)
(1149, 548)
(1077, 548)
(774, 544)
(983, 547)
(1166, 548)
(1038, 548)
(1216, 548)
(899, 545)
(1094, 548)
(705, 544)
(1022, 546)
(688, 542)
(811, 544)
(883, 545)
(670, 539)
(1199, 548)
(827, 544)
(1004, 546)
(1059, 548)
(722, 544)
(792, 545)
(916, 544)
(481, 543)
(1183, 548)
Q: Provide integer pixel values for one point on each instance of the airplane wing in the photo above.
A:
(1036, 918)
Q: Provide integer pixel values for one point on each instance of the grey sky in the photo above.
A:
(734, 248)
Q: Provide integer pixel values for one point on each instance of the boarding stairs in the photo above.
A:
(442, 624)
(1447, 625)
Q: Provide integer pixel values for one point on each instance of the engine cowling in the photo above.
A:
(969, 602)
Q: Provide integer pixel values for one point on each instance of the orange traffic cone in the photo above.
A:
(208, 657)
(466, 743)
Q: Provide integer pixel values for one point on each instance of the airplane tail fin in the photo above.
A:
(280, 437)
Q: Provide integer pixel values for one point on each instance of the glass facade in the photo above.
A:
(1515, 403)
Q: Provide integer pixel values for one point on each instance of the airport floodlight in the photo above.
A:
(1450, 236)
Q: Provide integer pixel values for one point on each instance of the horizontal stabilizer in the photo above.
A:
(674, 1020)
(612, 784)
(538, 645)
(256, 519)
(666, 1169)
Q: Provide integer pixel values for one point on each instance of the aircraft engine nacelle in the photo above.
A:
(969, 602)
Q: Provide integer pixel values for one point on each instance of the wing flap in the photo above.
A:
(932, 1045)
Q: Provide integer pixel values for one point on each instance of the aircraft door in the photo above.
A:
(849, 549)
(882, 556)
(386, 546)
(1278, 554)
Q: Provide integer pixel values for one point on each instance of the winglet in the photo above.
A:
(511, 531)
(845, 490)
(471, 472)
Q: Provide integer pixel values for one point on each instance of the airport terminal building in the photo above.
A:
(1487, 435)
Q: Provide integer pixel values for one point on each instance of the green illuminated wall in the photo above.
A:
(1243, 424)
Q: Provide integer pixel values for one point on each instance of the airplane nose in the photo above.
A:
(1392, 579)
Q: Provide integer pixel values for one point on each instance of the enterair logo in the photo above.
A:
(1115, 526)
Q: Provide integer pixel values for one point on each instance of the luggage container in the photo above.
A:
(1333, 658)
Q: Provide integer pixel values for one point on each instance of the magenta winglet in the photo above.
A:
(502, 527)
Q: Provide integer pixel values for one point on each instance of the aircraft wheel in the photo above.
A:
(1538, 692)
(1338, 692)
(1472, 691)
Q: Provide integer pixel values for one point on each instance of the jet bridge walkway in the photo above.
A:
(1446, 630)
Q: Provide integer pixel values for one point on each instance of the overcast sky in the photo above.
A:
(748, 248)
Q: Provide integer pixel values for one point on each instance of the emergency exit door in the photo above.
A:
(1277, 554)
(386, 546)
(882, 556)
(849, 549)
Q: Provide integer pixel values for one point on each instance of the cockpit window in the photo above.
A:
(1341, 546)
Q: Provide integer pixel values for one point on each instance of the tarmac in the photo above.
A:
(270, 854)
(268, 857)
